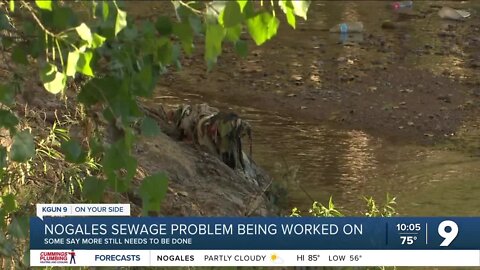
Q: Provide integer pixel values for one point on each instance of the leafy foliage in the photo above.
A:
(262, 27)
(153, 190)
(73, 151)
(23, 147)
(386, 210)
(93, 189)
(42, 4)
(117, 60)
(150, 127)
(53, 80)
(319, 210)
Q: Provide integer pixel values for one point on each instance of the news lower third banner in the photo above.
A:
(120, 240)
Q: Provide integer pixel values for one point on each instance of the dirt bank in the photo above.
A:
(200, 184)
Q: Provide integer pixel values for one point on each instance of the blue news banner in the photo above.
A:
(225, 233)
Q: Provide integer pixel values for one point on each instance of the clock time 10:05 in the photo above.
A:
(409, 227)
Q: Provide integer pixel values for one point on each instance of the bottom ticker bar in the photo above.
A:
(255, 258)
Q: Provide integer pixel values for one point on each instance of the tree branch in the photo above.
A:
(37, 20)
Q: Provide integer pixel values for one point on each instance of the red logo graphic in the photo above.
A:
(59, 257)
(72, 257)
(53, 257)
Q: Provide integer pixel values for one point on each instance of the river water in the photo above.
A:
(317, 161)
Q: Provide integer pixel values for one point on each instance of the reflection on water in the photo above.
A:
(351, 164)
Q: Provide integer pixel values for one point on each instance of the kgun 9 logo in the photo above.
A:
(448, 234)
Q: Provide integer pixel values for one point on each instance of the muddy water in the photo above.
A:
(415, 42)
(317, 161)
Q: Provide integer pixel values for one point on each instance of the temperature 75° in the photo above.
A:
(409, 239)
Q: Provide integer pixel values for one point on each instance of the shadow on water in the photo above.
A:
(349, 164)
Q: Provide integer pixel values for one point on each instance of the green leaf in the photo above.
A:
(241, 48)
(83, 64)
(164, 26)
(7, 42)
(72, 63)
(178, 65)
(129, 138)
(93, 189)
(213, 42)
(29, 28)
(53, 81)
(3, 157)
(291, 18)
(165, 51)
(19, 55)
(214, 10)
(118, 157)
(176, 52)
(97, 40)
(84, 32)
(105, 10)
(23, 147)
(287, 7)
(150, 127)
(19, 227)
(2, 225)
(12, 5)
(36, 47)
(121, 21)
(94, 89)
(7, 94)
(96, 146)
(211, 64)
(249, 10)
(231, 15)
(44, 4)
(7, 119)
(73, 151)
(130, 34)
(143, 82)
(3, 165)
(148, 29)
(300, 8)
(242, 4)
(64, 17)
(185, 33)
(233, 33)
(196, 24)
(119, 182)
(123, 106)
(4, 22)
(183, 13)
(9, 204)
(262, 27)
(26, 256)
(153, 191)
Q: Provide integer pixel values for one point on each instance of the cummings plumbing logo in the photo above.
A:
(54, 257)
(58, 257)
